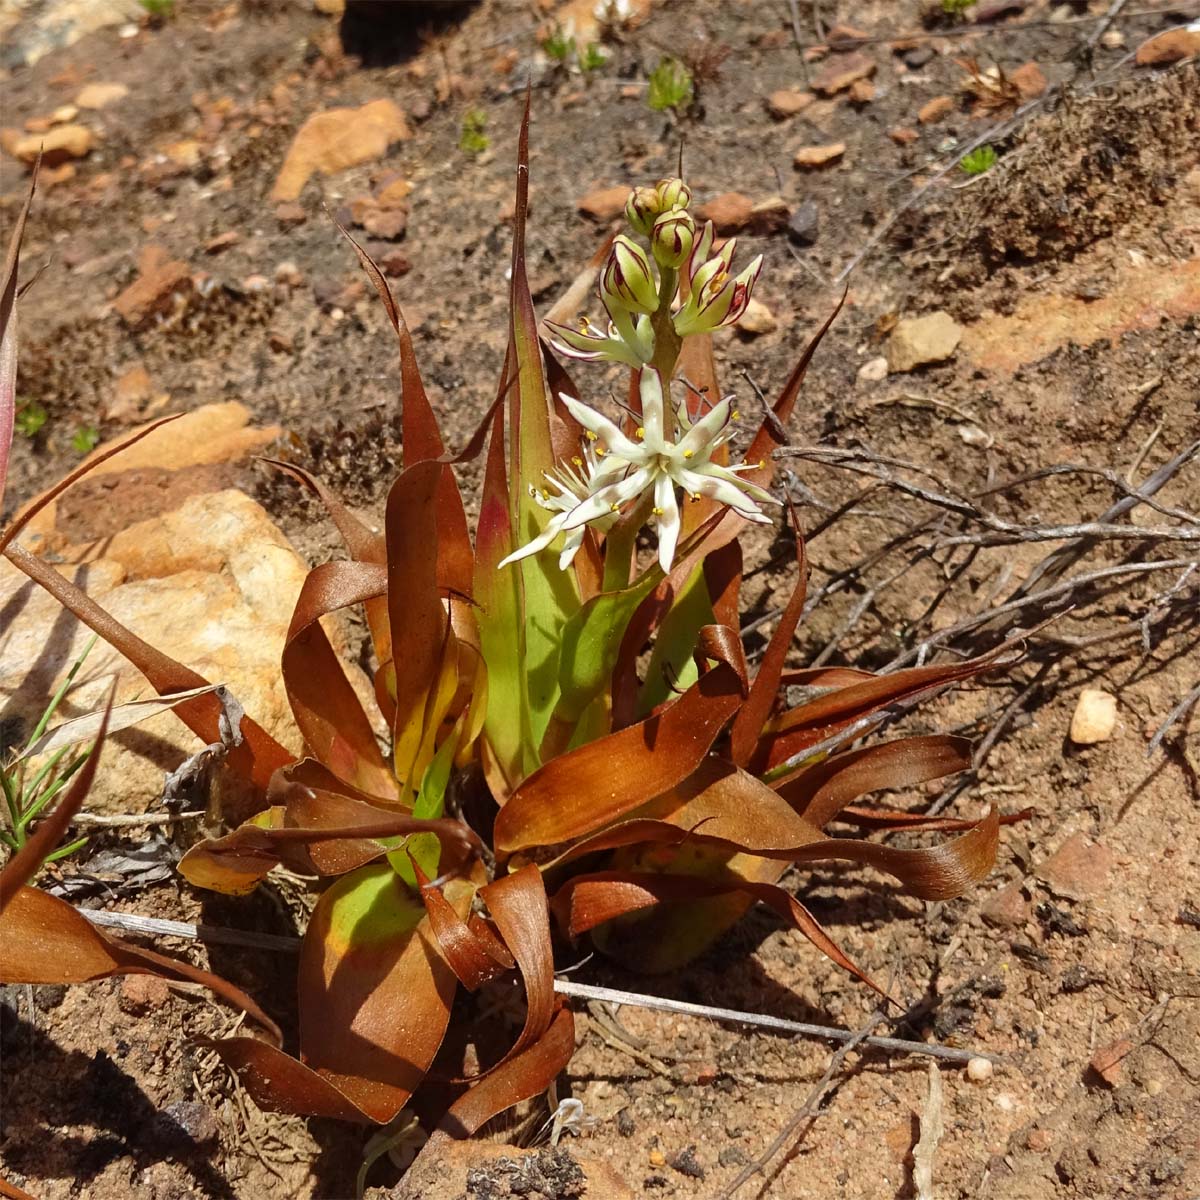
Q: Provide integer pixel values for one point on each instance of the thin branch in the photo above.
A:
(156, 927)
(807, 1109)
(122, 820)
(1173, 716)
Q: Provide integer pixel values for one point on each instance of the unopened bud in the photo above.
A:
(672, 239)
(627, 278)
(673, 193)
(641, 208)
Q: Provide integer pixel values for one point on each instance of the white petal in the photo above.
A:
(651, 391)
(538, 544)
(701, 483)
(668, 520)
(729, 474)
(702, 435)
(601, 504)
(614, 440)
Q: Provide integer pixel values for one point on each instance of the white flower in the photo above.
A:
(653, 466)
(629, 339)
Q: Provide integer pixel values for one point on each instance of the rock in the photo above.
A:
(288, 274)
(804, 225)
(840, 72)
(65, 114)
(603, 204)
(1006, 909)
(132, 390)
(787, 102)
(451, 1170)
(811, 157)
(335, 140)
(1167, 48)
(918, 56)
(916, 341)
(1029, 80)
(757, 319)
(212, 583)
(222, 242)
(184, 153)
(1078, 869)
(160, 279)
(874, 370)
(842, 36)
(862, 91)
(935, 109)
(290, 215)
(394, 190)
(101, 95)
(1112, 39)
(1094, 718)
(393, 263)
(57, 145)
(730, 212)
(980, 1070)
(903, 135)
(769, 216)
(386, 223)
(142, 995)
(1107, 1061)
(186, 1125)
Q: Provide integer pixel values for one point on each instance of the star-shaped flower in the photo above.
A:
(654, 465)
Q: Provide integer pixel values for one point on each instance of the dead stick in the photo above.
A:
(156, 927)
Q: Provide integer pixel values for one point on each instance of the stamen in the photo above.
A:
(688, 453)
(591, 437)
(640, 433)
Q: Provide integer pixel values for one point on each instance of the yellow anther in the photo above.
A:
(640, 432)
(735, 415)
(658, 512)
(577, 460)
(600, 452)
(614, 508)
(688, 453)
(591, 437)
(694, 497)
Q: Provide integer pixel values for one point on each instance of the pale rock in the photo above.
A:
(787, 102)
(160, 279)
(874, 370)
(935, 110)
(1170, 47)
(916, 341)
(980, 1070)
(1095, 717)
(335, 140)
(769, 216)
(212, 584)
(603, 204)
(64, 114)
(1006, 909)
(101, 95)
(842, 72)
(757, 319)
(729, 212)
(331, 8)
(57, 145)
(812, 157)
(1029, 80)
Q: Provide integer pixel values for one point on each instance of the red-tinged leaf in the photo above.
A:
(723, 577)
(581, 791)
(518, 906)
(10, 1191)
(327, 709)
(374, 993)
(748, 724)
(44, 940)
(473, 952)
(35, 506)
(591, 900)
(821, 792)
(318, 824)
(258, 755)
(49, 831)
(823, 677)
(519, 1078)
(362, 544)
(890, 820)
(8, 336)
(423, 442)
(725, 807)
(789, 734)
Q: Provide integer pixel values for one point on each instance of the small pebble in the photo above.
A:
(979, 1070)
(873, 370)
(1094, 718)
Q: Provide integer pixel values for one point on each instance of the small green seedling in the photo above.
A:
(956, 8)
(981, 160)
(31, 416)
(84, 439)
(472, 139)
(158, 10)
(558, 47)
(26, 791)
(671, 86)
(592, 57)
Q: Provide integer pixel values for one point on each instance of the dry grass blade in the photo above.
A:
(932, 1128)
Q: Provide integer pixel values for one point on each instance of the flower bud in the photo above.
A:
(641, 208)
(673, 193)
(673, 237)
(627, 280)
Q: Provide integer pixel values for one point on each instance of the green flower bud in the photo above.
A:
(672, 239)
(641, 208)
(673, 193)
(627, 280)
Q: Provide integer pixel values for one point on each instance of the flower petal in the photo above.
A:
(667, 511)
(614, 441)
